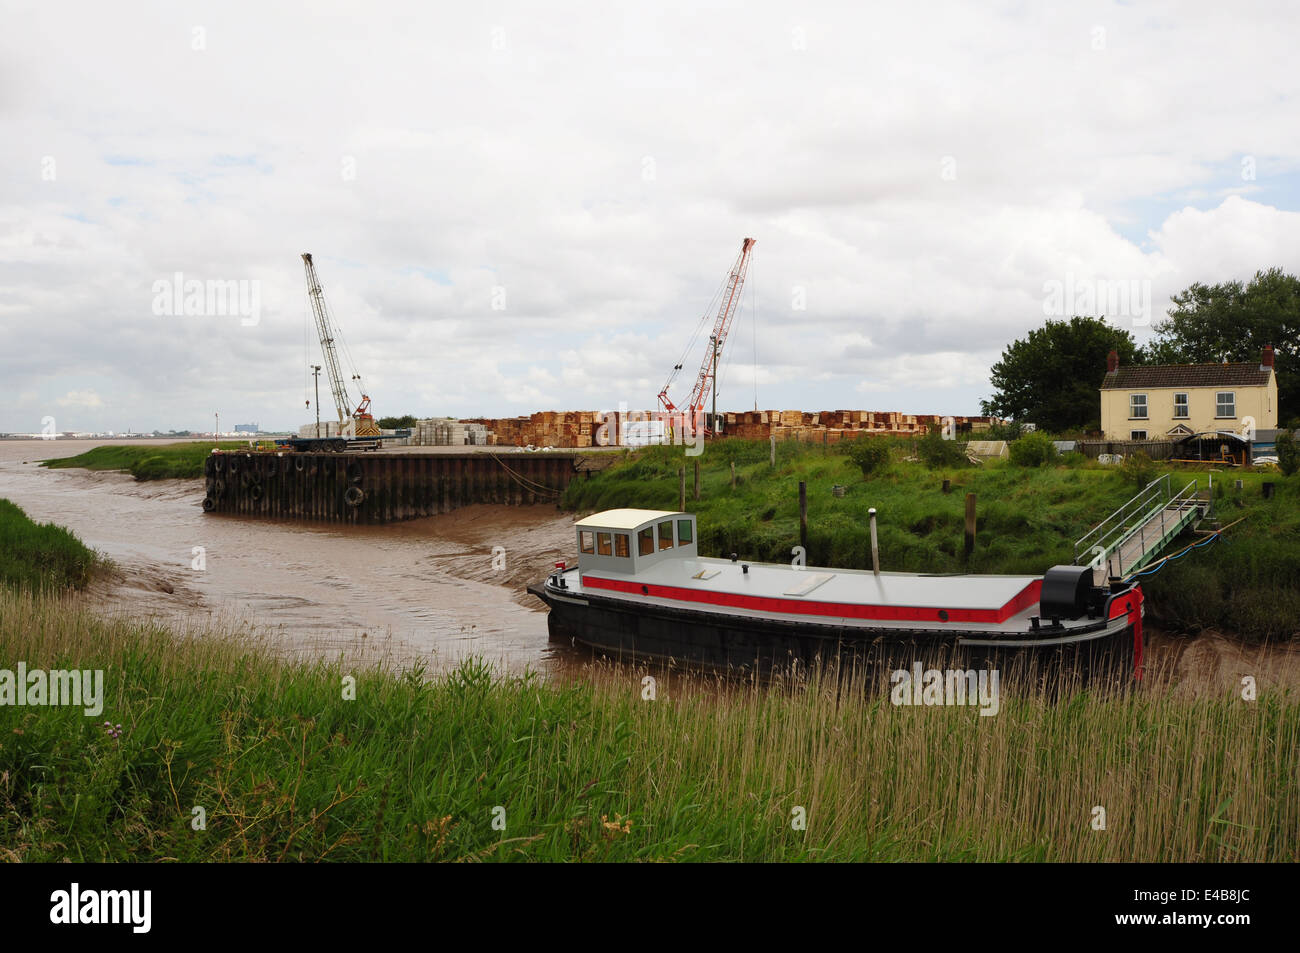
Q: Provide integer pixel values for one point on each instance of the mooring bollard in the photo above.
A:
(875, 547)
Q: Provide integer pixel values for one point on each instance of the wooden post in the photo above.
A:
(947, 486)
(970, 523)
(875, 545)
(681, 496)
(697, 479)
(733, 474)
(773, 449)
(803, 515)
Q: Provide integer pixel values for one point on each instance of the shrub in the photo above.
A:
(1138, 469)
(868, 453)
(936, 452)
(1032, 450)
(1288, 453)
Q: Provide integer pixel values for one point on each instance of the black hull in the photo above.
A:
(638, 632)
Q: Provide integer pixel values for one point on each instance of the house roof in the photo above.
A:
(1133, 376)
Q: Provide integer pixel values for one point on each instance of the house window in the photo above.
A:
(603, 546)
(666, 535)
(621, 547)
(1180, 406)
(587, 541)
(1137, 406)
(645, 541)
(1225, 404)
(1137, 434)
(683, 532)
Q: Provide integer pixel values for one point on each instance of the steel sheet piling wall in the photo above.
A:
(378, 488)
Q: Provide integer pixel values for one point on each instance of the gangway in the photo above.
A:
(1134, 534)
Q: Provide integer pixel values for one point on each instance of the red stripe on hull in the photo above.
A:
(1027, 597)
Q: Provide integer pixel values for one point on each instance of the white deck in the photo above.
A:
(823, 585)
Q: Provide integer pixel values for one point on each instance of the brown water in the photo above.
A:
(424, 589)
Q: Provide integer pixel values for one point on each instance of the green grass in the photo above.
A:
(285, 768)
(160, 462)
(41, 556)
(1028, 520)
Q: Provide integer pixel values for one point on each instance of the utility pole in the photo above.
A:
(216, 429)
(713, 426)
(315, 372)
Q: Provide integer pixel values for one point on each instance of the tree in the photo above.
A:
(1233, 322)
(938, 452)
(1053, 377)
(1032, 450)
(871, 454)
(395, 423)
(1288, 453)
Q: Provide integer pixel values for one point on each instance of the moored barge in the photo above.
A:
(641, 590)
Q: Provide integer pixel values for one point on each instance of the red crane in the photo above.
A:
(704, 381)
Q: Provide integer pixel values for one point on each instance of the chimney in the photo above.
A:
(1112, 362)
(1266, 359)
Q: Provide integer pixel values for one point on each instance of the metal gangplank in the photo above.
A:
(1134, 534)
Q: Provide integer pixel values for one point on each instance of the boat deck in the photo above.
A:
(968, 603)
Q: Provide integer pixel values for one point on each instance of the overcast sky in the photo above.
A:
(522, 207)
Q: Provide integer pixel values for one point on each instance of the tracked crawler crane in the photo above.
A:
(729, 301)
(363, 421)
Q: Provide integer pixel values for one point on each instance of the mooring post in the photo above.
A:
(681, 496)
(970, 523)
(773, 449)
(875, 546)
(697, 479)
(733, 474)
(803, 515)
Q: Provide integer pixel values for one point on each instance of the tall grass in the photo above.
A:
(36, 556)
(285, 768)
(159, 462)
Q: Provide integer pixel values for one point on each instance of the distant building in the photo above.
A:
(248, 428)
(1173, 401)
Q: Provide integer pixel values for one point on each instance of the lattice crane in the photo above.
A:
(729, 302)
(327, 328)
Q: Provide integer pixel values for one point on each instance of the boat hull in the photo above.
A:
(629, 631)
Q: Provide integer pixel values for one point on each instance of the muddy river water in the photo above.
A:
(427, 590)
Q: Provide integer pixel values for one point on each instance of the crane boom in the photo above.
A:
(704, 381)
(364, 423)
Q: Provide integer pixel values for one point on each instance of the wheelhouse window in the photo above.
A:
(1225, 404)
(587, 541)
(683, 532)
(1137, 434)
(666, 534)
(1180, 407)
(645, 541)
(621, 547)
(1137, 406)
(603, 545)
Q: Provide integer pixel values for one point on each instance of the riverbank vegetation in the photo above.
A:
(41, 556)
(228, 752)
(153, 462)
(1028, 519)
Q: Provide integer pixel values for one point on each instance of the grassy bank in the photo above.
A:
(40, 556)
(285, 768)
(161, 462)
(1028, 520)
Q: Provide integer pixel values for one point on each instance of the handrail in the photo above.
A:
(1178, 501)
(1143, 500)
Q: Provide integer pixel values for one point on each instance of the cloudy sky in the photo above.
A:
(520, 207)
